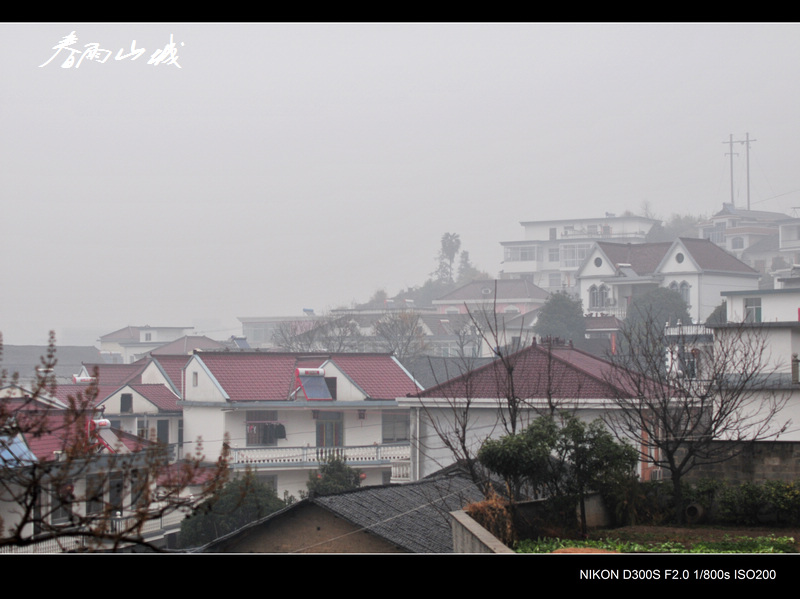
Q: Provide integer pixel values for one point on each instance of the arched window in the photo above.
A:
(597, 297)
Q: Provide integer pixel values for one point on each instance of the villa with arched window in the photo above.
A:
(614, 273)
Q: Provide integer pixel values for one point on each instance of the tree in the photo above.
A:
(680, 418)
(646, 318)
(451, 243)
(243, 500)
(68, 479)
(402, 334)
(466, 271)
(719, 315)
(561, 317)
(333, 476)
(330, 332)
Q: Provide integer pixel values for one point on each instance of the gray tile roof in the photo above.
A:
(414, 516)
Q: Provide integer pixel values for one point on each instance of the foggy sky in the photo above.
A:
(291, 166)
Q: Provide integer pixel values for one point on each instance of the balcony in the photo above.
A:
(310, 457)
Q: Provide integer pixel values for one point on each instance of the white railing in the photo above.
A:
(152, 530)
(312, 456)
(401, 471)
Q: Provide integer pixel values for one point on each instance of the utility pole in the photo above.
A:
(730, 143)
(746, 142)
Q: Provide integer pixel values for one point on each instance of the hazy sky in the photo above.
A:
(291, 166)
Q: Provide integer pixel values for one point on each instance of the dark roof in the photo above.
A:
(430, 371)
(24, 359)
(412, 516)
(645, 258)
(187, 344)
(709, 256)
(507, 289)
(763, 215)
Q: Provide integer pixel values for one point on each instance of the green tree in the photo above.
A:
(333, 476)
(243, 500)
(719, 315)
(644, 324)
(561, 316)
(561, 457)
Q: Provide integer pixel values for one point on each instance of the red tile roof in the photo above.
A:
(173, 368)
(117, 374)
(270, 376)
(160, 396)
(562, 372)
(61, 430)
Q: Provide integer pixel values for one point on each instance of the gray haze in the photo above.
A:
(291, 166)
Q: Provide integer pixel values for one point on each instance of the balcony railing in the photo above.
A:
(312, 456)
(152, 530)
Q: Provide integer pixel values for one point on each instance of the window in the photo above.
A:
(263, 428)
(573, 254)
(553, 234)
(62, 498)
(395, 426)
(148, 336)
(126, 403)
(138, 488)
(162, 431)
(330, 381)
(752, 309)
(116, 491)
(597, 297)
(194, 379)
(94, 494)
(553, 255)
(520, 254)
(268, 480)
(330, 429)
(141, 428)
(737, 243)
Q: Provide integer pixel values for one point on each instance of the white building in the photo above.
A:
(553, 250)
(282, 413)
(614, 273)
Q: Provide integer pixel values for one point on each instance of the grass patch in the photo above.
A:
(767, 544)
